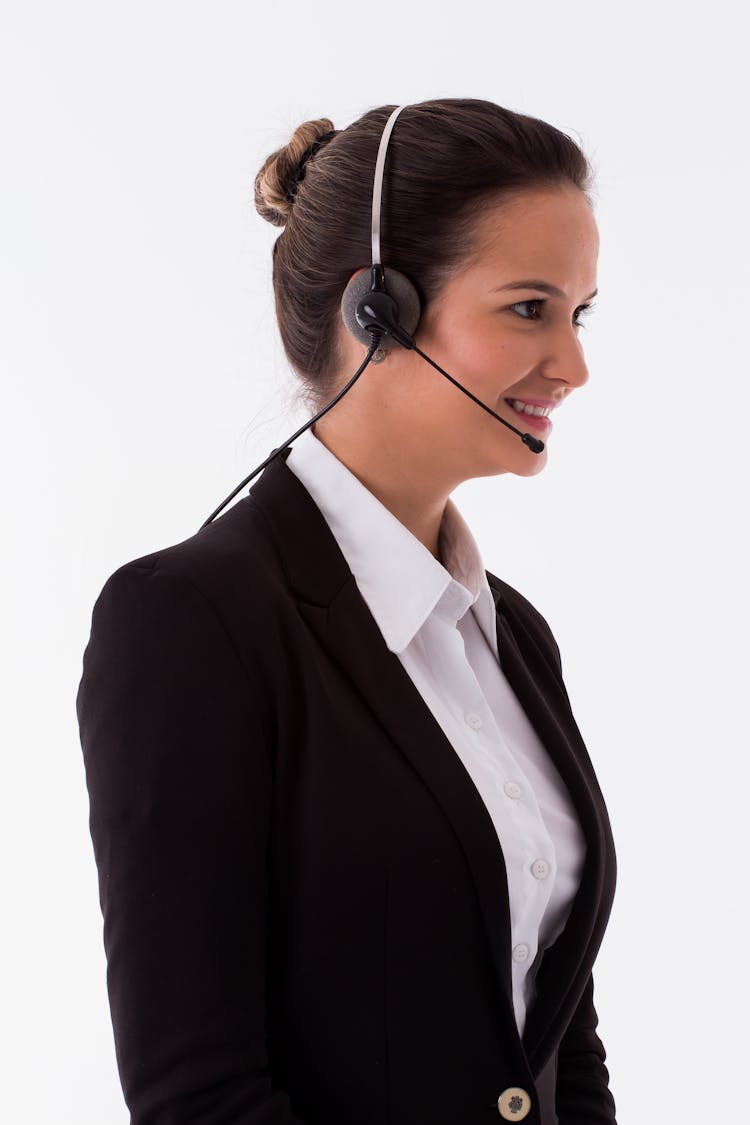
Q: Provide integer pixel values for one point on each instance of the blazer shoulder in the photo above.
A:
(233, 558)
(211, 593)
(228, 573)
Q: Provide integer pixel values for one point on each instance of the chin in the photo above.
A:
(525, 463)
(533, 463)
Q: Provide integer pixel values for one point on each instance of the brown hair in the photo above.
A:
(448, 159)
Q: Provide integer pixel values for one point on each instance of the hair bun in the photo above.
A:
(276, 182)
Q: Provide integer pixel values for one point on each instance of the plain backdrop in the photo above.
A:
(143, 378)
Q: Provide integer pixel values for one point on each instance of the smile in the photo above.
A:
(536, 421)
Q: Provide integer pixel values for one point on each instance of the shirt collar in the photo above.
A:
(400, 580)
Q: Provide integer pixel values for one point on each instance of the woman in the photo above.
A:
(354, 863)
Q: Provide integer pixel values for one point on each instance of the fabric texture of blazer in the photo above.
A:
(305, 905)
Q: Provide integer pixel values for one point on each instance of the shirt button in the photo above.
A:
(540, 868)
(474, 720)
(512, 789)
(514, 1103)
(520, 952)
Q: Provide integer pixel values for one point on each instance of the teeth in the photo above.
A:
(524, 408)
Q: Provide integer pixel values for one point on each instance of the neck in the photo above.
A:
(415, 503)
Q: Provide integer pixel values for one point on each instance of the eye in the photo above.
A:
(581, 310)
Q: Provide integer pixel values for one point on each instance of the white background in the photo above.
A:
(143, 378)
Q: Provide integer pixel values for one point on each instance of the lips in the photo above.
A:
(536, 421)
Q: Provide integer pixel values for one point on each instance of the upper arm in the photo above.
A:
(179, 782)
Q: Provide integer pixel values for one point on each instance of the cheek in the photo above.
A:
(486, 352)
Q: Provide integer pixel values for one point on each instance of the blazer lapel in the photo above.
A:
(567, 963)
(329, 601)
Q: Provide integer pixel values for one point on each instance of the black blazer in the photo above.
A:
(305, 903)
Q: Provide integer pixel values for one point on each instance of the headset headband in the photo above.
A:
(377, 188)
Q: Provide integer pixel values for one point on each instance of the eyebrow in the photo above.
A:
(535, 284)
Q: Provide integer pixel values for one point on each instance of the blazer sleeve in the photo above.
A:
(179, 781)
(583, 1095)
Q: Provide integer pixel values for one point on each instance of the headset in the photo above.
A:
(381, 308)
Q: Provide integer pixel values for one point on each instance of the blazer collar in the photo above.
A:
(329, 600)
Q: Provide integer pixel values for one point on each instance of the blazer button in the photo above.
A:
(514, 1103)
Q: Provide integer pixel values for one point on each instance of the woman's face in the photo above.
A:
(497, 334)
(502, 339)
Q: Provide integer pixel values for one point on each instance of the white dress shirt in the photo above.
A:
(451, 656)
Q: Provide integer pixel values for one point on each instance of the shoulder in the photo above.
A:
(224, 581)
(192, 614)
(230, 560)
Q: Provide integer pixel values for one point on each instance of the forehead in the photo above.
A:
(540, 232)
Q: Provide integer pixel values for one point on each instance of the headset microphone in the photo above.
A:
(381, 308)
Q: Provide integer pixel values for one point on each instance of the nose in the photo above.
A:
(566, 361)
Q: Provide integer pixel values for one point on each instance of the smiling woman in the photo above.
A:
(475, 197)
(354, 861)
(523, 350)
(509, 356)
(449, 161)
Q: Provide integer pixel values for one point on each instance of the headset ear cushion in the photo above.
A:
(400, 288)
